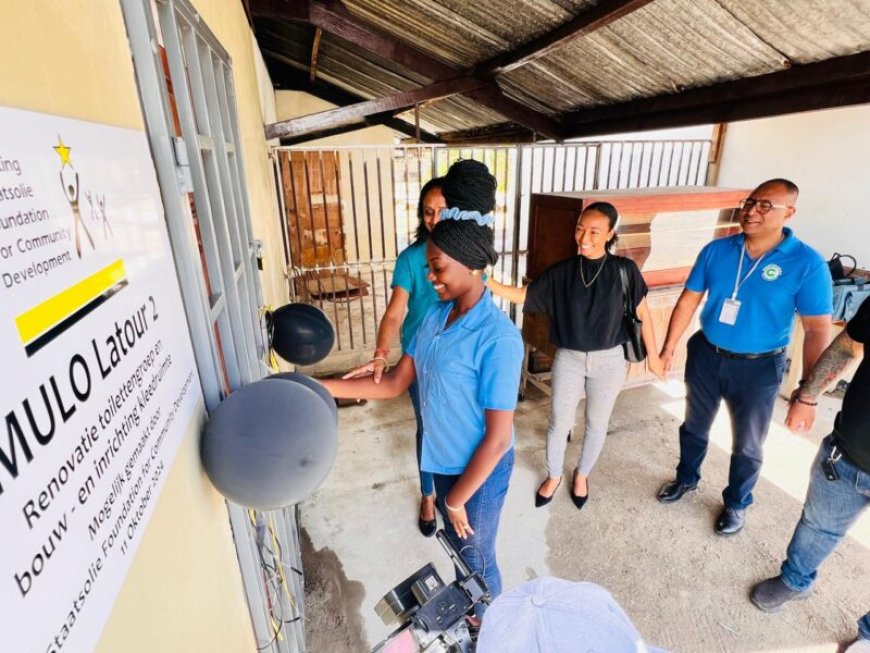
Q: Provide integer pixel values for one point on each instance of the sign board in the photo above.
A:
(99, 382)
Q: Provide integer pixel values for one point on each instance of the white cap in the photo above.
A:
(551, 615)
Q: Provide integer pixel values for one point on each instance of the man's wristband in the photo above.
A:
(805, 402)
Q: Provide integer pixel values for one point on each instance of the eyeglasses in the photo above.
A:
(762, 206)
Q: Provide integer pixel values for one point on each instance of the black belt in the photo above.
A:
(734, 354)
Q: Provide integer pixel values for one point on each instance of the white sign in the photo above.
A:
(98, 382)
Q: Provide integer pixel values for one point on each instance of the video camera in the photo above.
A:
(432, 613)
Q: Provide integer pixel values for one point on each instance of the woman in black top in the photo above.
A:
(583, 297)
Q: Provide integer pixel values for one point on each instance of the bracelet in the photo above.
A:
(451, 508)
(381, 352)
(805, 402)
(381, 358)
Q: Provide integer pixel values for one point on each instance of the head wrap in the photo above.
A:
(463, 233)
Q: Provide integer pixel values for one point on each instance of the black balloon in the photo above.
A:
(308, 382)
(302, 334)
(269, 444)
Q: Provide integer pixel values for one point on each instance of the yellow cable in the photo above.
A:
(272, 361)
(280, 563)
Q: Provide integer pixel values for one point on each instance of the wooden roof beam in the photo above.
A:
(824, 96)
(287, 77)
(333, 18)
(354, 113)
(601, 15)
(798, 77)
(505, 132)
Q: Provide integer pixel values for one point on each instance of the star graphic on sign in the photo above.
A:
(63, 151)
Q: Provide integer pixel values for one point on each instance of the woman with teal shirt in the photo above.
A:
(412, 292)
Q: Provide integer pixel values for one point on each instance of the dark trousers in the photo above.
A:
(749, 387)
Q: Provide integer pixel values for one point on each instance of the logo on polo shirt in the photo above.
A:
(771, 272)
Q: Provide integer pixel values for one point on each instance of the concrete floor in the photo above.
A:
(685, 588)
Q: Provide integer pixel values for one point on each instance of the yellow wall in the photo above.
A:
(72, 58)
(69, 58)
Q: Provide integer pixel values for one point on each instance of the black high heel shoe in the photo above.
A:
(541, 500)
(577, 499)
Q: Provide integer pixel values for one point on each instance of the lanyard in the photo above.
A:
(737, 282)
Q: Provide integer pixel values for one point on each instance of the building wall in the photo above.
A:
(827, 154)
(184, 590)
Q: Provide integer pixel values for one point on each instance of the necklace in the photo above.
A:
(600, 268)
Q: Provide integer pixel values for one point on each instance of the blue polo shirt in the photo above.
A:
(791, 277)
(410, 274)
(470, 367)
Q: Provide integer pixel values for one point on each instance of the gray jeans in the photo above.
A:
(601, 375)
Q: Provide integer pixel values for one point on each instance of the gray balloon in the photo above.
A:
(269, 444)
(308, 382)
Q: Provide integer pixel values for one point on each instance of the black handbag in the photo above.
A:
(635, 350)
(835, 265)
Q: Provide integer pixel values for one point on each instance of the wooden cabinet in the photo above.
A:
(661, 229)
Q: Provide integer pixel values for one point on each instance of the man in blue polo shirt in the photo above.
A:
(754, 282)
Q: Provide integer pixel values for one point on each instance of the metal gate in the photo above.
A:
(347, 212)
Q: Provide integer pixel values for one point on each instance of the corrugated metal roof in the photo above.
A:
(662, 48)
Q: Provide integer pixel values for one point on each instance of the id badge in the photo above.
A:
(730, 308)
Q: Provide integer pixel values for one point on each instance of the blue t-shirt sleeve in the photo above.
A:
(402, 274)
(500, 365)
(697, 281)
(815, 296)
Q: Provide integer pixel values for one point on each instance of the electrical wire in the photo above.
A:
(274, 578)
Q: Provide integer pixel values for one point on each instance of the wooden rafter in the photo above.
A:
(835, 82)
(287, 77)
(315, 50)
(504, 132)
(333, 18)
(356, 112)
(601, 15)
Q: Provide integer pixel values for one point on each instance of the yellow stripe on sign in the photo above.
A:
(53, 310)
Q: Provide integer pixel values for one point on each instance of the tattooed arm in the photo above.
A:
(817, 336)
(841, 352)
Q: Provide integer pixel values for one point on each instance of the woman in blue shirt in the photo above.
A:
(413, 293)
(466, 357)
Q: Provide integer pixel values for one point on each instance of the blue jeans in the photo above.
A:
(749, 387)
(831, 507)
(427, 486)
(483, 509)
